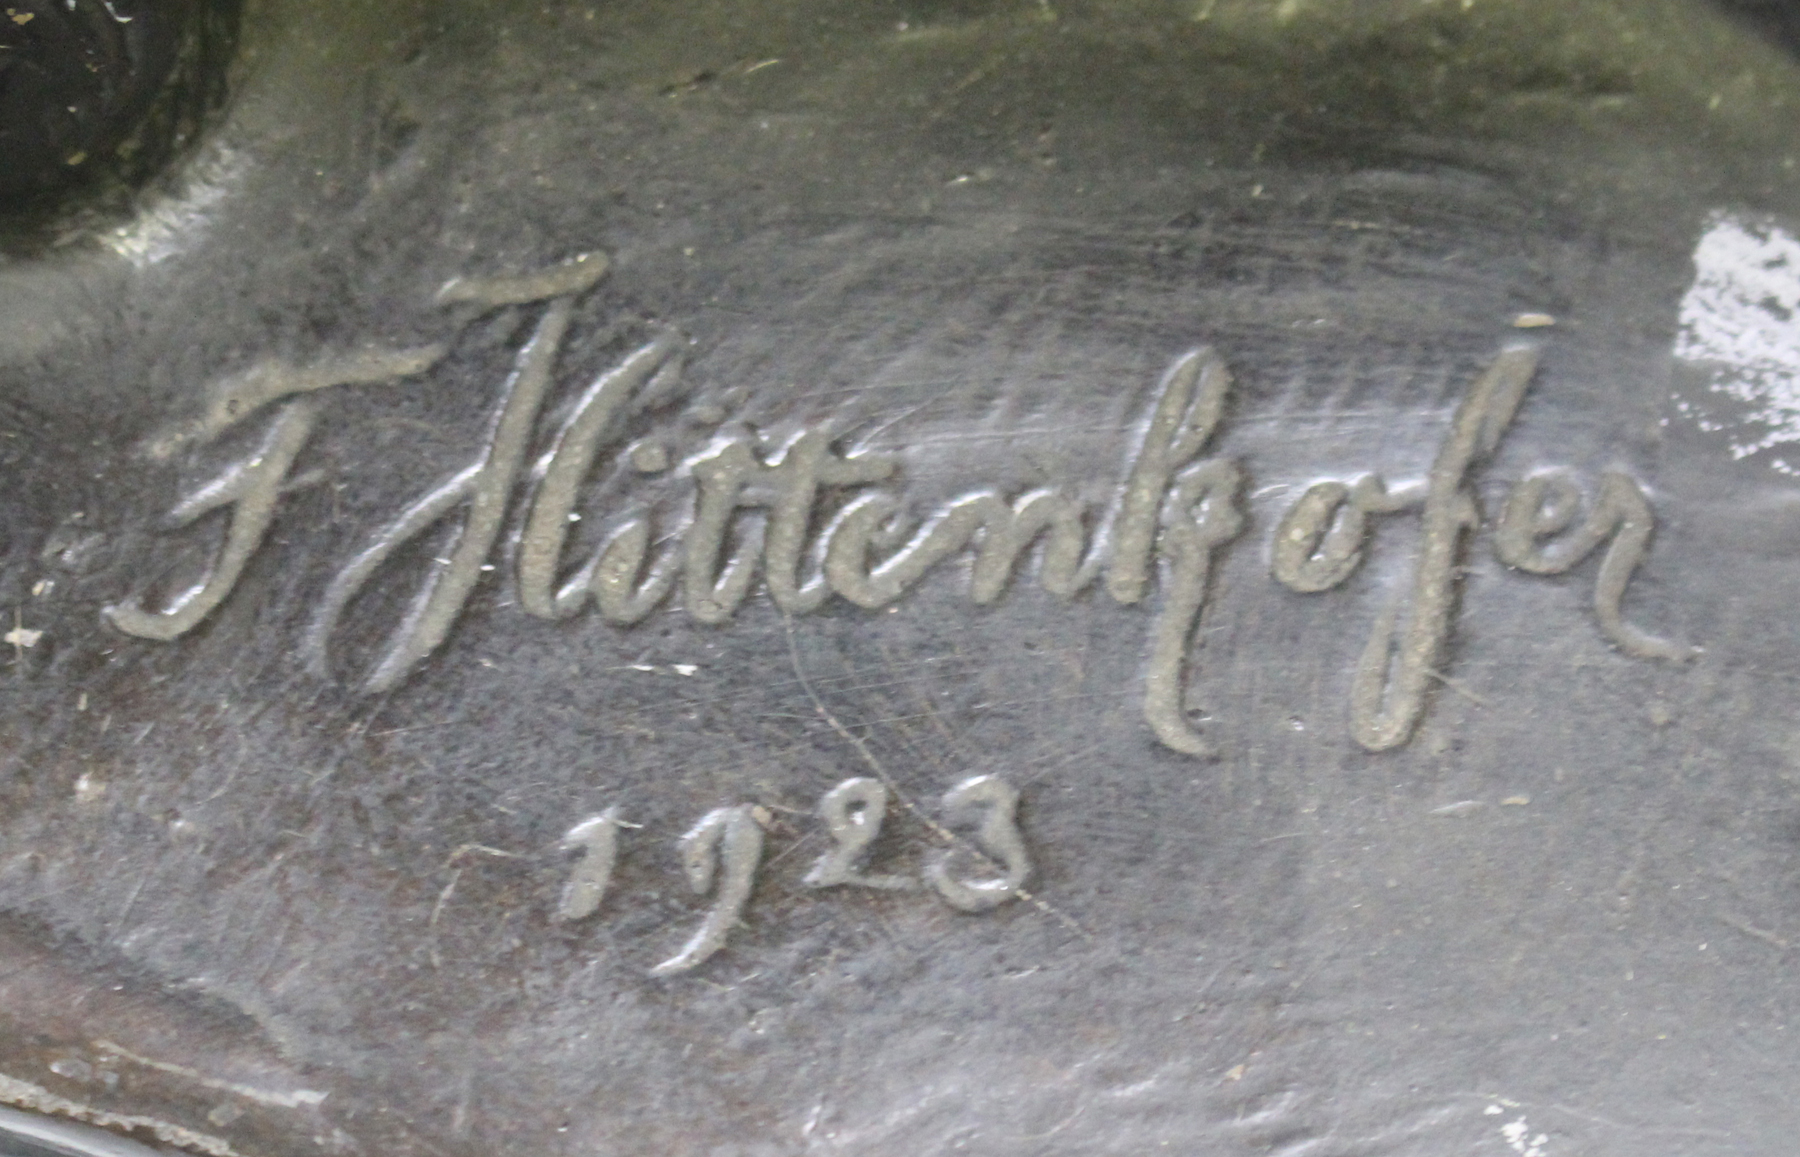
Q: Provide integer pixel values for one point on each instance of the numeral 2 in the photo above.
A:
(852, 811)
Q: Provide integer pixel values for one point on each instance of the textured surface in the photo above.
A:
(293, 877)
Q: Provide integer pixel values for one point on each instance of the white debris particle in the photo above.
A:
(687, 669)
(1518, 1137)
(1741, 320)
(74, 1068)
(21, 637)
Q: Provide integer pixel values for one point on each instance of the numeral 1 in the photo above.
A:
(597, 839)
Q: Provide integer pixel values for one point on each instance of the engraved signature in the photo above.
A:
(1174, 509)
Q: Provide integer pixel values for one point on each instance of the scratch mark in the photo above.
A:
(1750, 929)
(297, 1099)
(905, 800)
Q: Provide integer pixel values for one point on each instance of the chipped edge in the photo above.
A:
(26, 1095)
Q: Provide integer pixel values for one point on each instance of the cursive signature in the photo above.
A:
(756, 517)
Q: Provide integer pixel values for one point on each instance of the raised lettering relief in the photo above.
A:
(1321, 540)
(484, 487)
(994, 805)
(1388, 695)
(726, 844)
(251, 488)
(722, 855)
(853, 812)
(815, 518)
(1543, 506)
(596, 841)
(612, 577)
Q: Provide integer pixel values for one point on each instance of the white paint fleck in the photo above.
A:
(1741, 320)
(21, 637)
(1520, 1138)
(688, 669)
(73, 1068)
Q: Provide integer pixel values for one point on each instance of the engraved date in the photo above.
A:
(723, 854)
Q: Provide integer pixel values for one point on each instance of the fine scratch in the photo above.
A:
(901, 797)
(299, 1098)
(1750, 929)
(437, 909)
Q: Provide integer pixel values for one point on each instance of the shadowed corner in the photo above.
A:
(1776, 20)
(97, 99)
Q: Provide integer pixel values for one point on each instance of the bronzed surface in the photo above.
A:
(310, 700)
